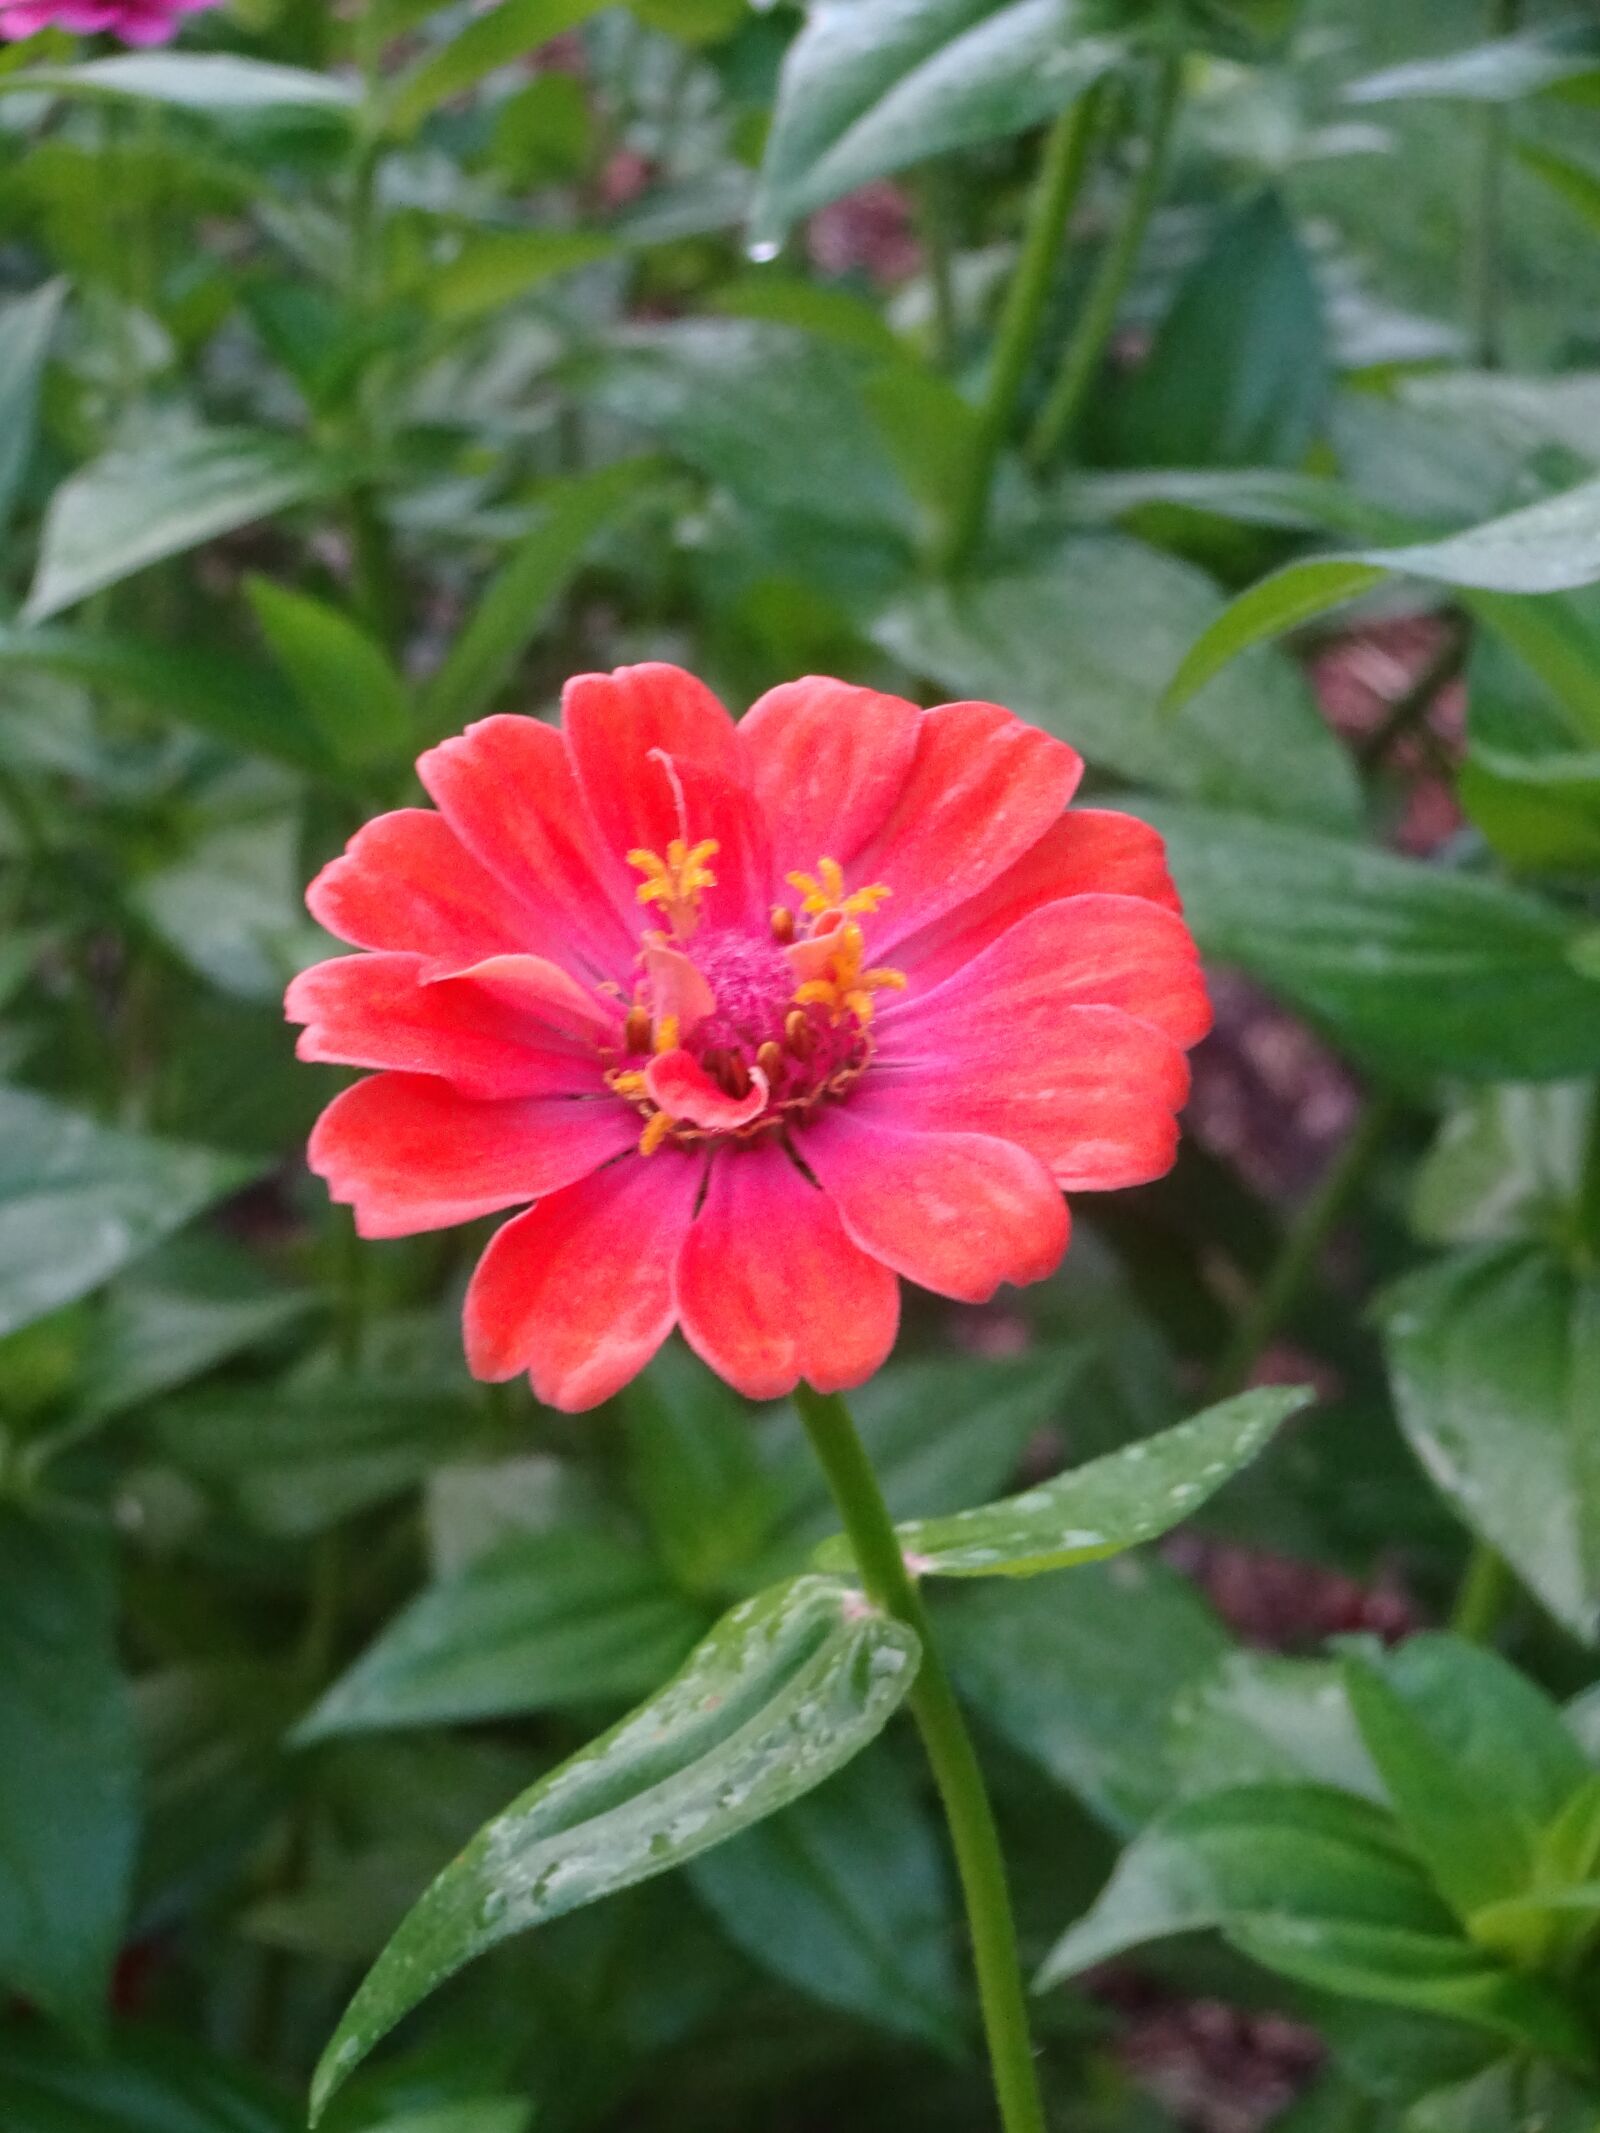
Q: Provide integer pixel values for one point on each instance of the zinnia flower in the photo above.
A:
(134, 21)
(760, 1018)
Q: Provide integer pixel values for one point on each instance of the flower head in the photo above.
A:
(134, 21)
(758, 1018)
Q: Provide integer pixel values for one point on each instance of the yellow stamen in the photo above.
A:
(666, 1037)
(845, 988)
(676, 882)
(824, 891)
(657, 1129)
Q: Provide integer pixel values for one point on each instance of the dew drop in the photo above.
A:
(762, 251)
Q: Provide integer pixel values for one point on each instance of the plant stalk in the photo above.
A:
(1486, 1590)
(1302, 1246)
(1058, 418)
(1486, 255)
(950, 1752)
(1061, 170)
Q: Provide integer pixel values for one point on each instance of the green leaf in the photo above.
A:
(1314, 1884)
(695, 1472)
(494, 268)
(845, 1895)
(1505, 1165)
(350, 692)
(1301, 1852)
(142, 503)
(1475, 1851)
(939, 1431)
(1113, 1503)
(233, 907)
(1258, 1719)
(68, 1773)
(870, 86)
(1239, 372)
(1550, 546)
(1080, 1674)
(145, 2081)
(27, 329)
(508, 32)
(783, 1692)
(1494, 1357)
(1513, 2096)
(543, 1622)
(518, 598)
(1413, 967)
(218, 83)
(1541, 813)
(1040, 641)
(78, 1200)
(217, 692)
(1568, 176)
(297, 1458)
(1498, 72)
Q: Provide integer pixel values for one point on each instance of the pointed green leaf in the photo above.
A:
(1550, 546)
(1495, 1360)
(27, 328)
(1421, 969)
(572, 1617)
(349, 690)
(219, 83)
(1497, 72)
(1574, 180)
(1113, 1503)
(784, 1691)
(498, 37)
(144, 502)
(78, 1200)
(870, 86)
(68, 1773)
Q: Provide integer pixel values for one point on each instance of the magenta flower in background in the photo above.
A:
(134, 21)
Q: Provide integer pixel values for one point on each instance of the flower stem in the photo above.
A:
(950, 1752)
(1061, 171)
(1486, 252)
(1059, 415)
(1302, 1247)
(1486, 1590)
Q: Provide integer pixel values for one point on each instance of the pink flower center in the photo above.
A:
(734, 1034)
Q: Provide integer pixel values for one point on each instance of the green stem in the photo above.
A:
(1061, 171)
(1586, 1214)
(950, 1752)
(1059, 416)
(1486, 1589)
(933, 226)
(1302, 1247)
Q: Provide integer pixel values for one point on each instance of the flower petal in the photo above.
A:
(957, 1212)
(507, 788)
(410, 1153)
(406, 881)
(680, 1086)
(499, 1036)
(771, 1290)
(981, 789)
(1090, 951)
(1086, 849)
(826, 763)
(658, 757)
(578, 1291)
(1095, 1097)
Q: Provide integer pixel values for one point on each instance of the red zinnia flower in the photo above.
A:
(134, 21)
(760, 1017)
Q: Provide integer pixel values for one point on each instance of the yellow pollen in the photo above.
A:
(782, 923)
(666, 1037)
(630, 1084)
(846, 988)
(824, 891)
(676, 882)
(658, 1128)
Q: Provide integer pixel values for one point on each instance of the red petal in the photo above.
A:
(578, 1291)
(506, 787)
(1090, 951)
(409, 1153)
(680, 1086)
(826, 763)
(1088, 848)
(406, 881)
(658, 757)
(488, 1038)
(981, 789)
(771, 1290)
(1095, 1097)
(958, 1212)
